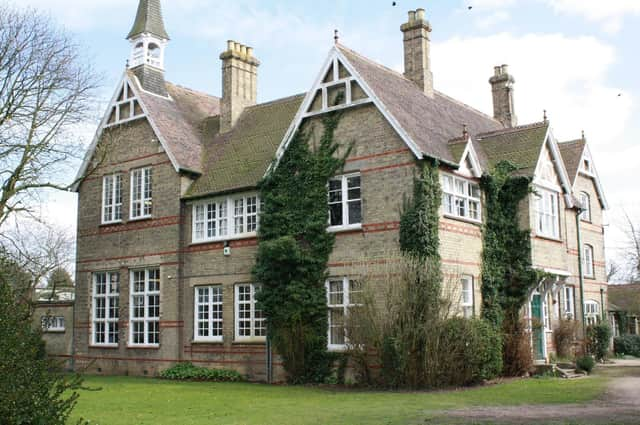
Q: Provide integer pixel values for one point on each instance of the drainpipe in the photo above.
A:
(603, 311)
(581, 272)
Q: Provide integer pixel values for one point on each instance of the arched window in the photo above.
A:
(587, 261)
(591, 312)
(585, 200)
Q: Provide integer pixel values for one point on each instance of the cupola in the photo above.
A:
(149, 38)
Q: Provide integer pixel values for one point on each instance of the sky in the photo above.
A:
(577, 59)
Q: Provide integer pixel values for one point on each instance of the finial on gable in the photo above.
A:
(583, 136)
(544, 116)
(465, 132)
(336, 36)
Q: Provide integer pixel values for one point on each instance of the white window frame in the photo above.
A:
(52, 323)
(256, 316)
(345, 306)
(345, 201)
(591, 312)
(225, 226)
(547, 213)
(467, 296)
(569, 297)
(585, 200)
(588, 268)
(146, 319)
(214, 302)
(451, 198)
(144, 197)
(111, 297)
(112, 198)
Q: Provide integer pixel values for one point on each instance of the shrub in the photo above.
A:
(565, 335)
(585, 363)
(627, 344)
(598, 337)
(470, 350)
(33, 389)
(190, 372)
(517, 352)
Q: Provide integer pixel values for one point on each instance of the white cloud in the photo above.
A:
(608, 13)
(492, 19)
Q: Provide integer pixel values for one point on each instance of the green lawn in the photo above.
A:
(134, 401)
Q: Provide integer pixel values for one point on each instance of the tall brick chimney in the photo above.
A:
(417, 63)
(239, 83)
(502, 88)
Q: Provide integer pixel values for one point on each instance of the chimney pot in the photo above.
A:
(503, 98)
(417, 63)
(239, 83)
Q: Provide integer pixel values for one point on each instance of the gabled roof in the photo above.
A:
(239, 159)
(149, 20)
(429, 122)
(519, 145)
(571, 154)
(179, 122)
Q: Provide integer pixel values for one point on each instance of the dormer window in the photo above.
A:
(587, 165)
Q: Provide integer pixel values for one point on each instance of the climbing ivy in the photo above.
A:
(419, 221)
(507, 274)
(293, 251)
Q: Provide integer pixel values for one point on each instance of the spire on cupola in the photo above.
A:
(149, 38)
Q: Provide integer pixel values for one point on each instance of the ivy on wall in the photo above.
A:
(507, 274)
(419, 236)
(293, 252)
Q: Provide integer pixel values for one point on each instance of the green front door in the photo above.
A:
(536, 327)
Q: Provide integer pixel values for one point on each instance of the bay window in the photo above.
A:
(208, 313)
(144, 307)
(141, 193)
(345, 202)
(221, 218)
(112, 198)
(548, 223)
(105, 308)
(461, 198)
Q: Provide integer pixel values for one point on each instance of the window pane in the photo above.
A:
(356, 292)
(355, 212)
(336, 294)
(336, 326)
(335, 211)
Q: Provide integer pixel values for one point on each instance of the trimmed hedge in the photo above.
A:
(627, 345)
(190, 372)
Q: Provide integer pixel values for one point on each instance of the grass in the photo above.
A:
(138, 401)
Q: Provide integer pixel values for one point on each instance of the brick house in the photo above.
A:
(168, 215)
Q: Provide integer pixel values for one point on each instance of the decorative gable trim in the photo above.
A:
(592, 174)
(334, 60)
(125, 81)
(471, 156)
(552, 144)
(125, 108)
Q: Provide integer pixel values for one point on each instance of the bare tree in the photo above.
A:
(631, 253)
(46, 90)
(38, 249)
